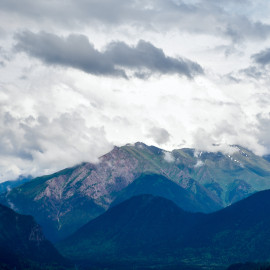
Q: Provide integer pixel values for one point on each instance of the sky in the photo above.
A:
(78, 77)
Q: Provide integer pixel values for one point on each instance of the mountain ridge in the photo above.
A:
(64, 201)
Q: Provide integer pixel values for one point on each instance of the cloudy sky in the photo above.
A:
(78, 77)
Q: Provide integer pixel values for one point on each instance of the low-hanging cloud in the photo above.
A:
(143, 59)
(39, 145)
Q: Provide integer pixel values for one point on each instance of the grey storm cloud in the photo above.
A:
(143, 59)
(160, 135)
(218, 18)
(263, 57)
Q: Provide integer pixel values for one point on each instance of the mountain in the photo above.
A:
(131, 229)
(238, 233)
(64, 201)
(22, 243)
(148, 230)
(49, 200)
(8, 185)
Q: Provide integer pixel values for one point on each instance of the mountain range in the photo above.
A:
(145, 232)
(196, 181)
(152, 231)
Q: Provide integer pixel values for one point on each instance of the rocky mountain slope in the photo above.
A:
(148, 230)
(64, 201)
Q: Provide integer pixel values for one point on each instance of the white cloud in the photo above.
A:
(199, 164)
(54, 117)
(168, 157)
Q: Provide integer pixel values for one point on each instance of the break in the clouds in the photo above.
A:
(78, 77)
(144, 59)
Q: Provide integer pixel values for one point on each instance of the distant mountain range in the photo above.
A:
(195, 181)
(152, 231)
(8, 185)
